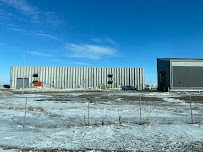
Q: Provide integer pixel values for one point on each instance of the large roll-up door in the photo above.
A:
(186, 77)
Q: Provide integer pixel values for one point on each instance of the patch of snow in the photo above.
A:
(172, 100)
(63, 124)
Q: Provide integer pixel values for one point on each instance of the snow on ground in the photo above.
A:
(52, 122)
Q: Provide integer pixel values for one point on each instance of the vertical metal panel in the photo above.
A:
(79, 77)
(58, 77)
(68, 77)
(84, 77)
(132, 77)
(76, 77)
(65, 77)
(11, 77)
(123, 76)
(43, 75)
(47, 76)
(62, 78)
(117, 77)
(72, 77)
(54, 77)
(95, 77)
(127, 77)
(114, 77)
(51, 75)
(29, 76)
(91, 77)
(187, 77)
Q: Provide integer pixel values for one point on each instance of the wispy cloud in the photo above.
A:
(42, 35)
(55, 60)
(22, 6)
(42, 54)
(33, 33)
(80, 63)
(112, 42)
(25, 13)
(107, 40)
(89, 51)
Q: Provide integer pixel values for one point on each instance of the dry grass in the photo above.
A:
(194, 99)
(13, 107)
(137, 98)
(144, 122)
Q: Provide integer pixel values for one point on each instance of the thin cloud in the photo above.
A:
(80, 63)
(39, 54)
(55, 60)
(42, 35)
(33, 33)
(97, 40)
(111, 41)
(105, 40)
(22, 6)
(89, 51)
(33, 15)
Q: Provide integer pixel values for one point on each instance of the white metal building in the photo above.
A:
(76, 77)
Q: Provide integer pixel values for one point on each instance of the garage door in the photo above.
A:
(187, 76)
(20, 83)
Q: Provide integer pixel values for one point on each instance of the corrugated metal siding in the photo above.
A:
(187, 77)
(78, 77)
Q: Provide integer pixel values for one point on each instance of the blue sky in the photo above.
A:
(104, 33)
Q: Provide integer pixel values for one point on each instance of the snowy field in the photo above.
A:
(101, 121)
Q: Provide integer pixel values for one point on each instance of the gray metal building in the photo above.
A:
(76, 77)
(180, 74)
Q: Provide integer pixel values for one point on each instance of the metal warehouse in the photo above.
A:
(76, 77)
(180, 74)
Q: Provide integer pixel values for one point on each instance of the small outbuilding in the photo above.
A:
(180, 74)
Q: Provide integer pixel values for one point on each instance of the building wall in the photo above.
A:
(187, 77)
(78, 77)
(187, 74)
(181, 74)
(163, 66)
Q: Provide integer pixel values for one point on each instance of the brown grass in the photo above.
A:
(194, 99)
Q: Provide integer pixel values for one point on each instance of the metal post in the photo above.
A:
(25, 112)
(191, 110)
(140, 110)
(88, 116)
(23, 73)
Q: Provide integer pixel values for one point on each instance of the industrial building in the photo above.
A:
(75, 77)
(179, 74)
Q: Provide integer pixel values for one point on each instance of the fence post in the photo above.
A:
(88, 112)
(25, 112)
(191, 115)
(140, 110)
